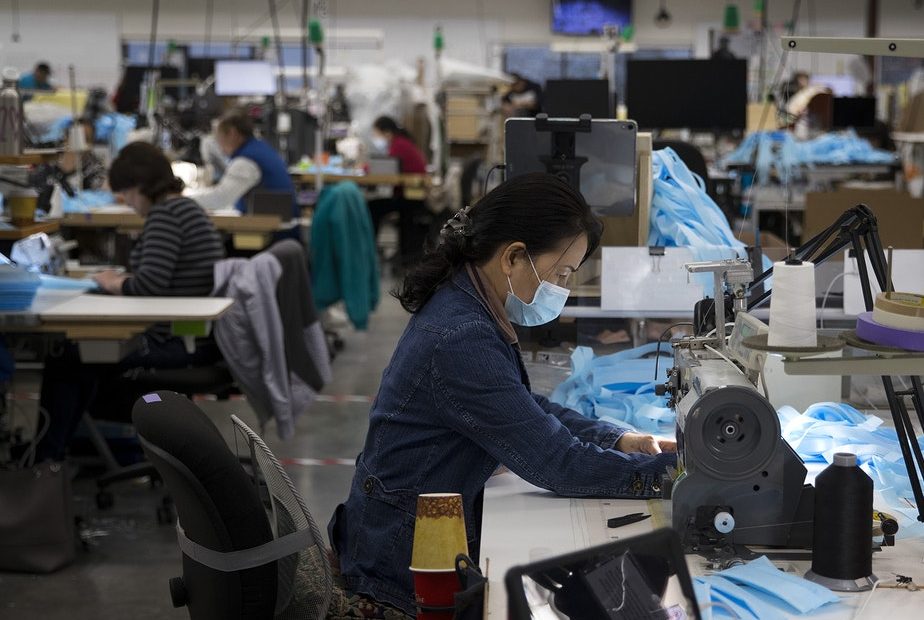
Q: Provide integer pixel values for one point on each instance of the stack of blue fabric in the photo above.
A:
(17, 288)
(780, 151)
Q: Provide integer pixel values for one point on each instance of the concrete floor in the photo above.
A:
(124, 570)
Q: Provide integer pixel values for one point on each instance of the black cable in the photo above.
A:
(661, 339)
(209, 14)
(278, 40)
(155, 11)
(487, 177)
(305, 45)
(16, 34)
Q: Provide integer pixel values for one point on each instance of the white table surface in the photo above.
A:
(523, 523)
(117, 309)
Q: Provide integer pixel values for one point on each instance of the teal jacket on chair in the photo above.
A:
(344, 263)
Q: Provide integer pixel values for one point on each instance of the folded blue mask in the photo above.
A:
(726, 596)
(800, 594)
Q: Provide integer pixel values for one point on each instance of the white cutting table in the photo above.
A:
(103, 324)
(523, 523)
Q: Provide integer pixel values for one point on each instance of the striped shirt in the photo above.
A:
(176, 252)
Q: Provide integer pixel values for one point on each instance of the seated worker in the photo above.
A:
(455, 401)
(523, 99)
(38, 79)
(174, 256)
(388, 138)
(254, 165)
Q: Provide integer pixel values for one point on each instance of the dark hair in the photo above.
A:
(537, 209)
(43, 67)
(238, 121)
(387, 123)
(144, 166)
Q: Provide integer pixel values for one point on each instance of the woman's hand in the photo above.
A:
(646, 444)
(110, 281)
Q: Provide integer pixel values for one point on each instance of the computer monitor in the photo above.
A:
(571, 98)
(596, 156)
(244, 78)
(641, 577)
(856, 112)
(687, 94)
(589, 17)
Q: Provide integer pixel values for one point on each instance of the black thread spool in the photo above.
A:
(842, 547)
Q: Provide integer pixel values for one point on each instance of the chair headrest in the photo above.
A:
(178, 427)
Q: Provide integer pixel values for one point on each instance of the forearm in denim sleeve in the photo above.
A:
(477, 389)
(601, 433)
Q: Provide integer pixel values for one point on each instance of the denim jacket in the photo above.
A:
(454, 403)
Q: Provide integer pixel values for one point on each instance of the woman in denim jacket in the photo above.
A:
(455, 400)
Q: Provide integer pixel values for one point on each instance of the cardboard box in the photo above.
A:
(900, 217)
(913, 115)
(633, 229)
(765, 112)
(463, 104)
(463, 127)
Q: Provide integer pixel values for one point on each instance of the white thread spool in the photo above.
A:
(792, 305)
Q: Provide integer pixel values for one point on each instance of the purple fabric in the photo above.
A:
(871, 331)
(151, 398)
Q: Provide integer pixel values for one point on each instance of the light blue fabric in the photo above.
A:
(619, 388)
(703, 599)
(743, 602)
(826, 428)
(66, 284)
(682, 213)
(800, 594)
(84, 200)
(781, 152)
(114, 129)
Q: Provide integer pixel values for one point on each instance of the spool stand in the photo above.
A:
(857, 228)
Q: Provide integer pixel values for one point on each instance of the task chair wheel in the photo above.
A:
(178, 594)
(104, 500)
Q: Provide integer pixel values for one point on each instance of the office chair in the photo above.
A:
(251, 548)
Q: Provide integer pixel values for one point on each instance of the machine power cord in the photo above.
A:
(661, 339)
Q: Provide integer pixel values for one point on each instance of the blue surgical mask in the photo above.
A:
(546, 306)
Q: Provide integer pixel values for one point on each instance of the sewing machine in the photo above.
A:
(739, 483)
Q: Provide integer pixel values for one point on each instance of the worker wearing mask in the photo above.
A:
(254, 165)
(38, 79)
(388, 138)
(455, 401)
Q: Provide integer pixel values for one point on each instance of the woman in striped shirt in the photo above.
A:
(174, 256)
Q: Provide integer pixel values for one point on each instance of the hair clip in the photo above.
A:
(459, 224)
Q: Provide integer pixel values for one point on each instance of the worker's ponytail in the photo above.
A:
(538, 209)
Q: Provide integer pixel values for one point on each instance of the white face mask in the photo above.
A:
(380, 144)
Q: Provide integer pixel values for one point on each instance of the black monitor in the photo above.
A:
(597, 157)
(688, 94)
(571, 98)
(856, 112)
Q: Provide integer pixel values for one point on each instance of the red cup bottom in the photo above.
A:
(435, 589)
